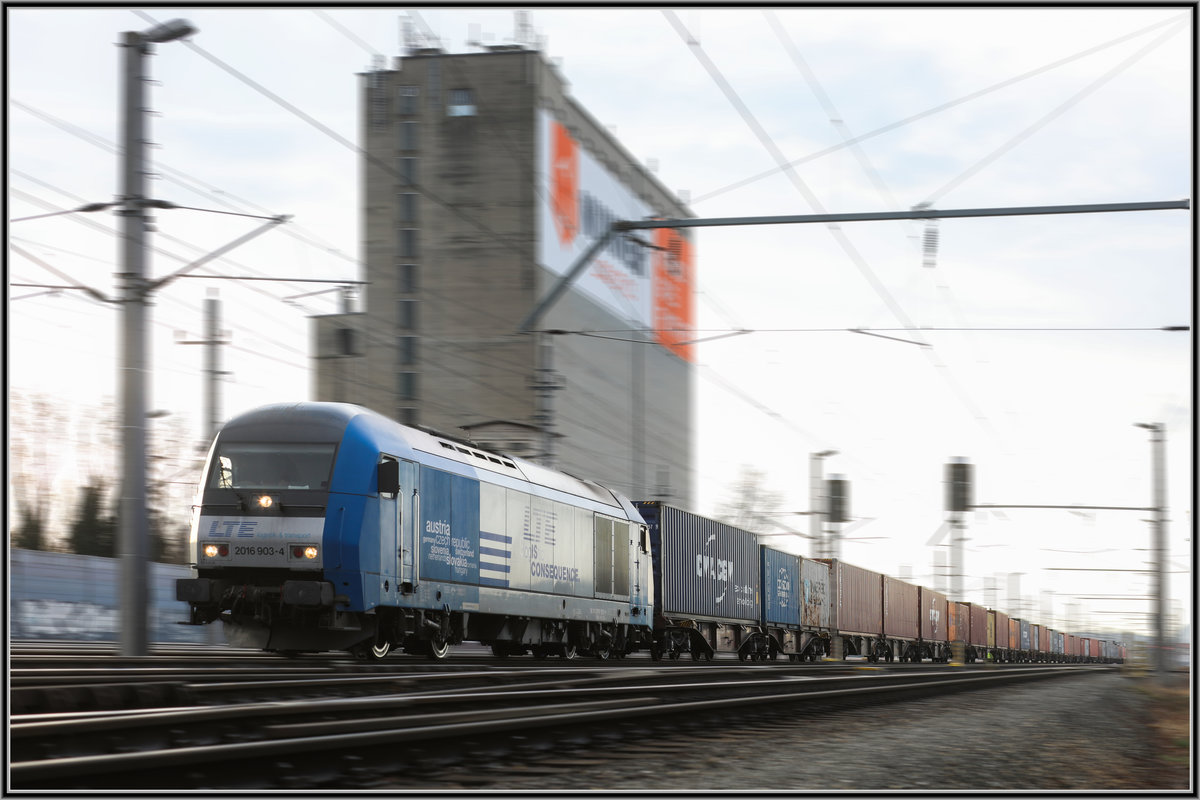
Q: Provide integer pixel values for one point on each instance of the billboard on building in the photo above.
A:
(650, 288)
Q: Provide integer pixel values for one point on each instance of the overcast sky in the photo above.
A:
(874, 109)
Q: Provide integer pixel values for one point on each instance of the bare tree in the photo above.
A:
(37, 439)
(751, 503)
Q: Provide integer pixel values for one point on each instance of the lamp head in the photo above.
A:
(169, 31)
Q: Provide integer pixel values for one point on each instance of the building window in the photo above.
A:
(460, 103)
(406, 351)
(435, 84)
(407, 100)
(408, 136)
(406, 315)
(408, 278)
(406, 386)
(406, 171)
(406, 202)
(406, 243)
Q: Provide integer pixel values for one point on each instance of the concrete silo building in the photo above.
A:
(482, 181)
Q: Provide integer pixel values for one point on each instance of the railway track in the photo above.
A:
(440, 718)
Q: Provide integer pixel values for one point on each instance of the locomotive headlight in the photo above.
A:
(210, 550)
(310, 552)
(265, 501)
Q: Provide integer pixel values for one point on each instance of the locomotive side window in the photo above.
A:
(276, 465)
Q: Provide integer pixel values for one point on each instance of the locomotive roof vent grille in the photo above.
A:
(476, 454)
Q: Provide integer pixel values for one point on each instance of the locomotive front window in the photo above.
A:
(290, 465)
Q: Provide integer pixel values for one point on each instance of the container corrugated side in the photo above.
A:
(935, 616)
(858, 599)
(1035, 636)
(816, 595)
(780, 588)
(991, 628)
(1002, 630)
(708, 569)
(978, 632)
(1025, 643)
(901, 609)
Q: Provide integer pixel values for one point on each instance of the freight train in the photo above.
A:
(326, 526)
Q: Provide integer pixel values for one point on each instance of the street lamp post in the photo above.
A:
(1158, 440)
(133, 533)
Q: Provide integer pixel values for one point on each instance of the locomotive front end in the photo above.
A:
(258, 532)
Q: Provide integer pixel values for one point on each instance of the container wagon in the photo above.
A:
(781, 601)
(935, 625)
(1000, 647)
(901, 619)
(707, 586)
(857, 611)
(977, 635)
(816, 609)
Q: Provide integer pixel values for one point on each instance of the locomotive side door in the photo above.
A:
(399, 507)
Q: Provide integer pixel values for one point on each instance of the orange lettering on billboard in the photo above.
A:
(564, 182)
(674, 307)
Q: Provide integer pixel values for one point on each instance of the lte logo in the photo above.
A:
(564, 182)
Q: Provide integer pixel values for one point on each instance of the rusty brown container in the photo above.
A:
(1002, 630)
(978, 632)
(1014, 633)
(1045, 640)
(901, 609)
(858, 599)
(960, 622)
(935, 616)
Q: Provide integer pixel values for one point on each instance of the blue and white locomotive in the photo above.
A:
(326, 526)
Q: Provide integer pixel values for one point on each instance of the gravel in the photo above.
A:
(1083, 733)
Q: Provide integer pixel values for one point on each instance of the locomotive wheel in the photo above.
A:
(381, 650)
(437, 649)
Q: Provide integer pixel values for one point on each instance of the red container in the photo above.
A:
(1014, 633)
(978, 634)
(935, 616)
(1002, 631)
(901, 609)
(858, 599)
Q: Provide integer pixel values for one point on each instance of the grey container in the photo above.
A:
(780, 588)
(858, 599)
(901, 609)
(935, 616)
(1025, 641)
(816, 595)
(702, 568)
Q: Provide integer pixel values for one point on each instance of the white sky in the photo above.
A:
(1045, 415)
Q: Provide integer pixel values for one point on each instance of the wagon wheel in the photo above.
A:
(500, 649)
(437, 649)
(602, 651)
(567, 652)
(656, 653)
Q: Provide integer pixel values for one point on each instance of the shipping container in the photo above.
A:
(977, 635)
(901, 609)
(780, 588)
(858, 599)
(960, 621)
(703, 569)
(1044, 640)
(1002, 631)
(816, 608)
(1026, 642)
(935, 616)
(991, 629)
(1014, 633)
